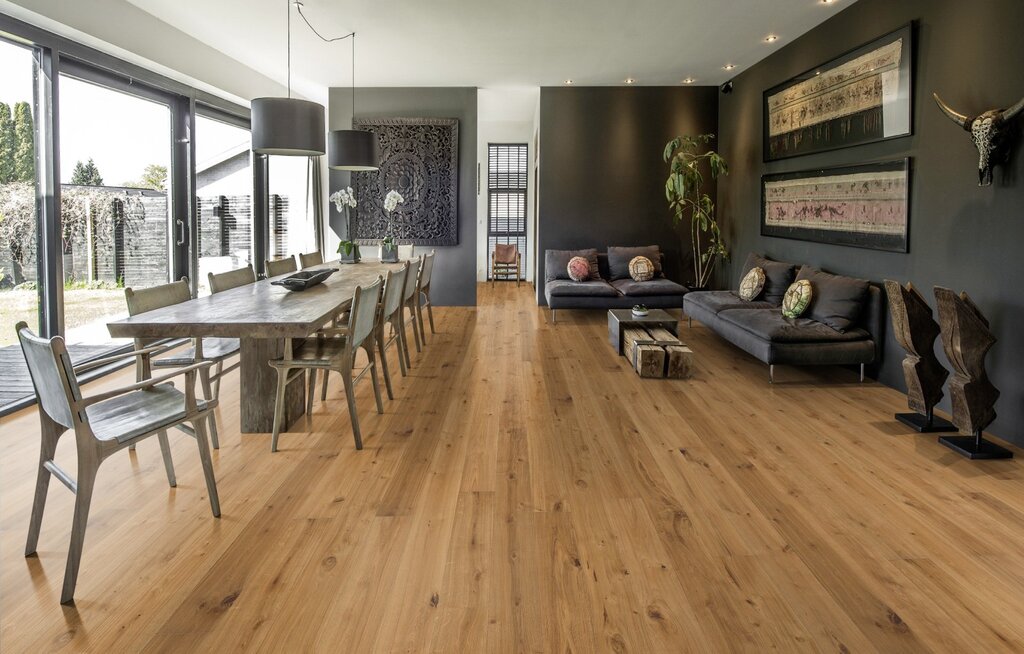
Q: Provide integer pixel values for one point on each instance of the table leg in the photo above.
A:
(258, 383)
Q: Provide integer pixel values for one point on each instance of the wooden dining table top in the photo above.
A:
(257, 310)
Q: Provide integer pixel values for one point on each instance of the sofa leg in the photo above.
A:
(771, 374)
(862, 373)
(689, 322)
(552, 316)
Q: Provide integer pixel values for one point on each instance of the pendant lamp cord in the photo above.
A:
(289, 52)
(298, 7)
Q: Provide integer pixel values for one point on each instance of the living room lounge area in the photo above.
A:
(681, 327)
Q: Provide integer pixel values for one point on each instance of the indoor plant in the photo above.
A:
(686, 198)
(345, 200)
(388, 249)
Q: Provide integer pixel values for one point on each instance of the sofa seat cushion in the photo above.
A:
(569, 288)
(715, 301)
(656, 286)
(772, 326)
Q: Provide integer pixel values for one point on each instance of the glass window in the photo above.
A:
(291, 217)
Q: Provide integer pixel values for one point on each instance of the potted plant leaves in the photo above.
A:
(345, 201)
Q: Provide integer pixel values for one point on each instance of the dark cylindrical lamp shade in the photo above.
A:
(287, 126)
(353, 149)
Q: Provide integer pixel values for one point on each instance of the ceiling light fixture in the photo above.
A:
(350, 149)
(689, 80)
(569, 82)
(630, 80)
(729, 66)
(288, 126)
(771, 38)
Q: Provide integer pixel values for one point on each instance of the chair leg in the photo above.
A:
(419, 318)
(372, 362)
(415, 328)
(50, 433)
(346, 378)
(83, 498)
(282, 379)
(311, 391)
(218, 370)
(165, 451)
(399, 344)
(204, 377)
(384, 362)
(404, 337)
(430, 315)
(323, 387)
(204, 457)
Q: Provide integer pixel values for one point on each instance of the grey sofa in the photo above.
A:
(607, 292)
(759, 328)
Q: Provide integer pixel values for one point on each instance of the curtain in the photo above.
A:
(316, 200)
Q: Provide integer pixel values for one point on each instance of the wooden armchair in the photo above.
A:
(103, 424)
(505, 260)
(232, 279)
(280, 266)
(410, 297)
(423, 295)
(310, 259)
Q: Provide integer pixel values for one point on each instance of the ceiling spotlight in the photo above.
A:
(630, 80)
(729, 66)
(689, 80)
(827, 2)
(771, 38)
(569, 82)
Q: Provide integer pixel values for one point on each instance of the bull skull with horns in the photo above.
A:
(990, 132)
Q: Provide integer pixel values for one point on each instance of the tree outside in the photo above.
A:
(86, 174)
(154, 176)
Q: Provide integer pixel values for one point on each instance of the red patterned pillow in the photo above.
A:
(579, 269)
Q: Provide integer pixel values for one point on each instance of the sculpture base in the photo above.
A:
(922, 425)
(974, 447)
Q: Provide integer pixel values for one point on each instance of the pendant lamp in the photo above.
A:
(288, 126)
(353, 149)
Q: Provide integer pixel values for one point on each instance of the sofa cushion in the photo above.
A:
(777, 276)
(715, 301)
(773, 326)
(619, 258)
(641, 269)
(567, 287)
(752, 284)
(579, 269)
(837, 301)
(797, 298)
(556, 263)
(656, 286)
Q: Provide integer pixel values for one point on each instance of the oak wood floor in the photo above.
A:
(527, 492)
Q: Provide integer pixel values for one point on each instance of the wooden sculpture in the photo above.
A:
(966, 337)
(915, 330)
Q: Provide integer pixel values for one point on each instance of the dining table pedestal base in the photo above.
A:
(258, 387)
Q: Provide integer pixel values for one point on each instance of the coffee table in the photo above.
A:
(618, 319)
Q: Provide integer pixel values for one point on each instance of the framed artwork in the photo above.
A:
(861, 97)
(863, 206)
(420, 160)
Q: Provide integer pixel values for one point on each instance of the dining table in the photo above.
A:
(261, 315)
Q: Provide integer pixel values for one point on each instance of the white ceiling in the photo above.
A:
(485, 43)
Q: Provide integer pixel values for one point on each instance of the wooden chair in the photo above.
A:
(505, 261)
(231, 279)
(310, 259)
(423, 295)
(337, 353)
(409, 299)
(104, 424)
(280, 266)
(215, 350)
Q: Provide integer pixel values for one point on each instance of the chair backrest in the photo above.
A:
(426, 269)
(310, 259)
(505, 253)
(52, 374)
(232, 279)
(280, 266)
(156, 297)
(394, 287)
(364, 312)
(411, 278)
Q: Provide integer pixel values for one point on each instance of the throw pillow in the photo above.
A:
(619, 258)
(778, 276)
(752, 284)
(579, 269)
(556, 263)
(641, 269)
(838, 301)
(797, 298)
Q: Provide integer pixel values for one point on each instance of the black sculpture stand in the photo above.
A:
(925, 424)
(975, 447)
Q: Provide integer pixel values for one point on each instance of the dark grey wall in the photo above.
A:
(961, 236)
(602, 178)
(454, 278)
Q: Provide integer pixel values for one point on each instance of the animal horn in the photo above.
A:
(1011, 113)
(957, 118)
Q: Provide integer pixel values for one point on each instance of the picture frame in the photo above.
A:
(865, 205)
(862, 96)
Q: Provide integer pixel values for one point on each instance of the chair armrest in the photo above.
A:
(99, 363)
(148, 383)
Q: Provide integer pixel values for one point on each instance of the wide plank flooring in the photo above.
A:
(527, 492)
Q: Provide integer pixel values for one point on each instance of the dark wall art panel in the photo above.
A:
(860, 97)
(420, 160)
(863, 206)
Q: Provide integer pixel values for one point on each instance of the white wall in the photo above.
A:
(505, 116)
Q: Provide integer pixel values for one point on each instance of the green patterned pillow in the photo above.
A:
(752, 284)
(797, 299)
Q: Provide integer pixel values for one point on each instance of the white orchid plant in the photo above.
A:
(345, 201)
(391, 202)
